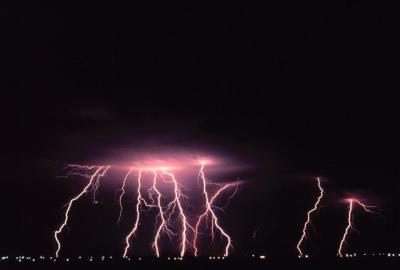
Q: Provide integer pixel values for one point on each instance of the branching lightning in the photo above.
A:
(209, 211)
(171, 208)
(177, 203)
(349, 227)
(139, 201)
(171, 218)
(94, 183)
(308, 221)
(163, 226)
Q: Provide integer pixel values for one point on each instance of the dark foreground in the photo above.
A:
(229, 263)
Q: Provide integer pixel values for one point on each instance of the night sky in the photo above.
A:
(291, 90)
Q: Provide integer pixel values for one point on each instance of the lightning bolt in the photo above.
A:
(309, 213)
(93, 180)
(209, 211)
(177, 203)
(170, 219)
(123, 193)
(349, 227)
(163, 226)
(139, 201)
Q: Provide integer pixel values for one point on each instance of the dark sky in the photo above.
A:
(294, 89)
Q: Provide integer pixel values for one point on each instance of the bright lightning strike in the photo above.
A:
(349, 227)
(123, 193)
(94, 184)
(182, 216)
(139, 201)
(209, 211)
(308, 221)
(163, 226)
(171, 218)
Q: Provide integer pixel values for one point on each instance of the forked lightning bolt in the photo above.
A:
(163, 226)
(309, 213)
(139, 201)
(177, 203)
(349, 227)
(209, 211)
(165, 222)
(93, 180)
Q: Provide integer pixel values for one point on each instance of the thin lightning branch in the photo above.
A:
(308, 221)
(122, 194)
(139, 200)
(96, 185)
(230, 197)
(349, 227)
(75, 169)
(100, 171)
(223, 188)
(209, 210)
(177, 203)
(163, 225)
(168, 216)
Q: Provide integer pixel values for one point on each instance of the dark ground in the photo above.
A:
(232, 263)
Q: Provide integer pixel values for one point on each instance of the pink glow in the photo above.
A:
(172, 218)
